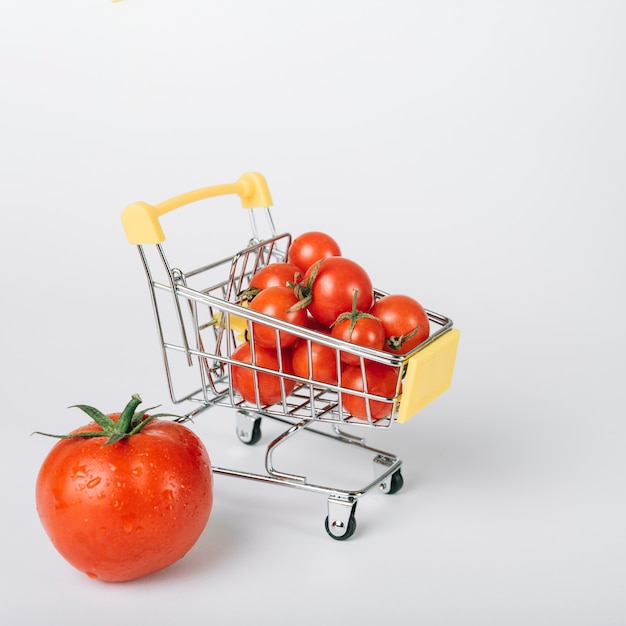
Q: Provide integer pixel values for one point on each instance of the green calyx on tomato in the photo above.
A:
(304, 288)
(248, 294)
(130, 422)
(354, 316)
(396, 342)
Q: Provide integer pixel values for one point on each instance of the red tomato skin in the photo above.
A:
(399, 315)
(367, 332)
(123, 511)
(333, 287)
(243, 378)
(276, 301)
(310, 247)
(324, 366)
(276, 275)
(381, 381)
(313, 324)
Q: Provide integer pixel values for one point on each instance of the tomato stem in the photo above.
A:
(395, 342)
(129, 423)
(354, 315)
(304, 290)
(248, 294)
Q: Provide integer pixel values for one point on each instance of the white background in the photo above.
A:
(470, 153)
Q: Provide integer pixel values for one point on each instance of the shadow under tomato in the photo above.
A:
(215, 546)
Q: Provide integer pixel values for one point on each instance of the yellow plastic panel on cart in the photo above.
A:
(238, 325)
(429, 374)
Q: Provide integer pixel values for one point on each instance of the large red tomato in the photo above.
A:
(277, 302)
(381, 380)
(405, 322)
(329, 286)
(119, 506)
(247, 380)
(310, 247)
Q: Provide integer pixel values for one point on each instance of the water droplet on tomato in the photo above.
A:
(94, 482)
(78, 472)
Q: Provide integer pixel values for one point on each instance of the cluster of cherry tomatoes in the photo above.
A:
(319, 288)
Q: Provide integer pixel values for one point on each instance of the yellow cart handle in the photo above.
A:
(141, 220)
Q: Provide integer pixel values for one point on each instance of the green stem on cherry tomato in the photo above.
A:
(304, 290)
(248, 294)
(354, 315)
(130, 422)
(395, 342)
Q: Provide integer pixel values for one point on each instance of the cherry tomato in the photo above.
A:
(328, 288)
(405, 322)
(310, 247)
(324, 367)
(129, 508)
(381, 381)
(272, 275)
(277, 302)
(359, 328)
(245, 380)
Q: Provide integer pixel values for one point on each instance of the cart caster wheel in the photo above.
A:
(335, 530)
(248, 428)
(394, 483)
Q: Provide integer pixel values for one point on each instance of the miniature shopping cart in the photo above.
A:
(201, 320)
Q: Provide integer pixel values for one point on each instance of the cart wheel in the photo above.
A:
(248, 428)
(349, 529)
(396, 482)
(393, 482)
